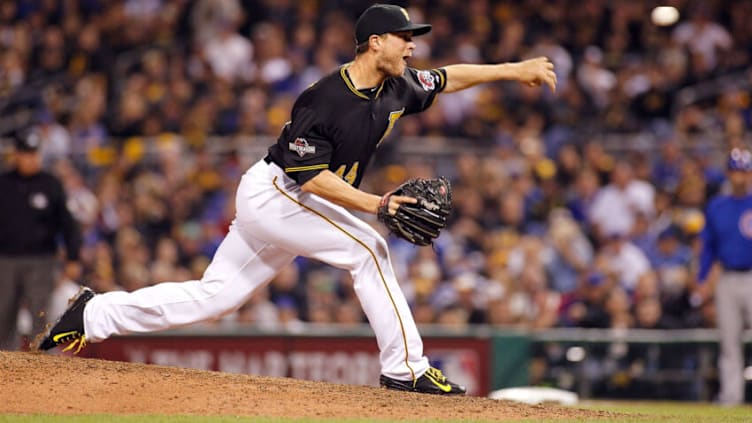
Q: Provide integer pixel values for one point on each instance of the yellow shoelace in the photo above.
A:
(436, 374)
(80, 342)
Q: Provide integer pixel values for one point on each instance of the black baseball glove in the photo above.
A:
(419, 223)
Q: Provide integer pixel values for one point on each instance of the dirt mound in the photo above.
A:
(41, 383)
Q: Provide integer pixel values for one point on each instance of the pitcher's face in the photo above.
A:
(396, 49)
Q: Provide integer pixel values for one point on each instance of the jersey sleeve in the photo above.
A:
(422, 88)
(709, 250)
(306, 151)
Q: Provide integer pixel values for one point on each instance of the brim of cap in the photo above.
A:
(417, 29)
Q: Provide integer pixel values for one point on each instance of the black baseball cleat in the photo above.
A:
(432, 382)
(70, 326)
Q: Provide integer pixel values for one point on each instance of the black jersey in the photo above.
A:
(337, 127)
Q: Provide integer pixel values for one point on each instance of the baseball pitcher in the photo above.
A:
(297, 201)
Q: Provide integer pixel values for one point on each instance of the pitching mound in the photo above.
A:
(41, 383)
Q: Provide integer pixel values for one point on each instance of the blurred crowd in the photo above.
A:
(550, 228)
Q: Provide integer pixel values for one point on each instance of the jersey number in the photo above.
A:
(351, 175)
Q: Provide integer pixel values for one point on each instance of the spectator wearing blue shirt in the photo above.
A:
(669, 251)
(667, 168)
(727, 239)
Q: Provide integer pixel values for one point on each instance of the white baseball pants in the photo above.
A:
(275, 222)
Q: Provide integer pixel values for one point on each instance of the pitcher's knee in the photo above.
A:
(370, 246)
(216, 300)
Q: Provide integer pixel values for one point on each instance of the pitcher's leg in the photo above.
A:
(388, 312)
(730, 324)
(240, 265)
(336, 237)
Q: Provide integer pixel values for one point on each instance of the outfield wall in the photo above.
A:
(635, 364)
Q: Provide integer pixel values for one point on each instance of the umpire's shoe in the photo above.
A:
(432, 382)
(70, 326)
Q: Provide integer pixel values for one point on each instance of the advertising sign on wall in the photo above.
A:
(346, 360)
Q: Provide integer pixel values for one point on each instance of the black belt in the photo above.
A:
(269, 160)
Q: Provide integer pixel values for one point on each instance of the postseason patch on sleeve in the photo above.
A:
(301, 146)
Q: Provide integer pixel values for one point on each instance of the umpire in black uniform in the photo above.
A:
(32, 217)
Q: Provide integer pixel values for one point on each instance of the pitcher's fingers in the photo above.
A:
(551, 82)
(399, 199)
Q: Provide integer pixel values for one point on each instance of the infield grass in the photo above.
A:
(664, 412)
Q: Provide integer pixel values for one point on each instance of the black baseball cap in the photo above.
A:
(28, 142)
(383, 18)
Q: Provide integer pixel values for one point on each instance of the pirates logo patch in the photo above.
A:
(426, 80)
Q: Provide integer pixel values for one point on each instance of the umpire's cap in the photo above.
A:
(383, 18)
(27, 142)
(740, 159)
